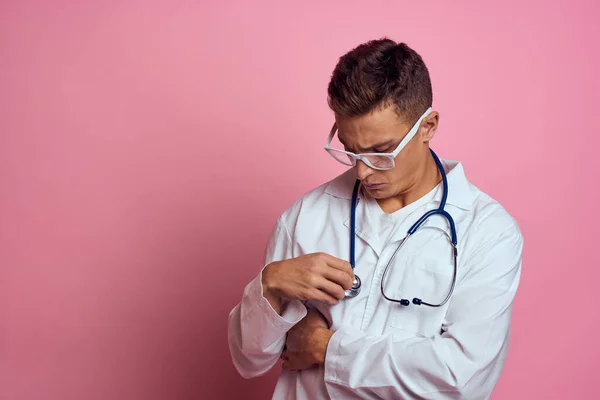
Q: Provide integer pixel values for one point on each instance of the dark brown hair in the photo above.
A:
(377, 74)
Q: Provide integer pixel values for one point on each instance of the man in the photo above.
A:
(380, 344)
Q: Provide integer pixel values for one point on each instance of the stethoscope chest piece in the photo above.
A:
(355, 290)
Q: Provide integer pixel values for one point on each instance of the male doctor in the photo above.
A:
(451, 341)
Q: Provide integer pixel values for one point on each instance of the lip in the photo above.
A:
(373, 185)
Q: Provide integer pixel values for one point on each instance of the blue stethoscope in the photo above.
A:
(356, 285)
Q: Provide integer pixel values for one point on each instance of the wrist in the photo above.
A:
(268, 289)
(268, 283)
(322, 336)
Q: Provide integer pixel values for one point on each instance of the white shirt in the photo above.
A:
(380, 349)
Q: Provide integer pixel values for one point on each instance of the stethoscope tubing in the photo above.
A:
(355, 290)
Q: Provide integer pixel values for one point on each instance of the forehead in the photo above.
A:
(369, 130)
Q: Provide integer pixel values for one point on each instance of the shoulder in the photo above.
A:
(494, 235)
(481, 216)
(489, 216)
(485, 228)
(318, 201)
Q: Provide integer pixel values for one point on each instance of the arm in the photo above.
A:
(256, 331)
(464, 362)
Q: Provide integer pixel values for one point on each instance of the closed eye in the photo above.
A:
(385, 148)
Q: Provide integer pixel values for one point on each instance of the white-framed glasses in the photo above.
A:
(379, 161)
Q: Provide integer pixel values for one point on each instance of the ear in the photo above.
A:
(429, 126)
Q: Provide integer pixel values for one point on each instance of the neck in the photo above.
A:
(426, 177)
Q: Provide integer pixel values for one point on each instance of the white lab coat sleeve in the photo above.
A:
(463, 362)
(256, 333)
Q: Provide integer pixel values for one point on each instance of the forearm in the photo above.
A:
(370, 366)
(256, 332)
(251, 359)
(377, 367)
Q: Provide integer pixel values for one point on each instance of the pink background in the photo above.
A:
(146, 149)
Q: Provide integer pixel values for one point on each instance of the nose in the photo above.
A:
(363, 170)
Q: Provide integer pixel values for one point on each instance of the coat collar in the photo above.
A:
(459, 188)
(460, 195)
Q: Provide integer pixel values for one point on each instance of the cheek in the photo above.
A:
(395, 174)
(405, 162)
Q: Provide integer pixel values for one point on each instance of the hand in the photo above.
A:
(317, 276)
(306, 343)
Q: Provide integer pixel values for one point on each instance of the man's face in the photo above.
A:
(380, 132)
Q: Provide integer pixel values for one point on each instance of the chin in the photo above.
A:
(379, 194)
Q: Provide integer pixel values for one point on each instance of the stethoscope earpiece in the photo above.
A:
(415, 301)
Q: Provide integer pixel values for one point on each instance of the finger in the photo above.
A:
(320, 295)
(313, 311)
(338, 263)
(284, 356)
(331, 288)
(290, 364)
(342, 278)
(314, 317)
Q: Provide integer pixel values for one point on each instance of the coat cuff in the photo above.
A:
(267, 324)
(336, 361)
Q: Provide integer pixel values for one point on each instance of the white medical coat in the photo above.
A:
(380, 349)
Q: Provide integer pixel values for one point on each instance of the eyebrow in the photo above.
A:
(385, 144)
